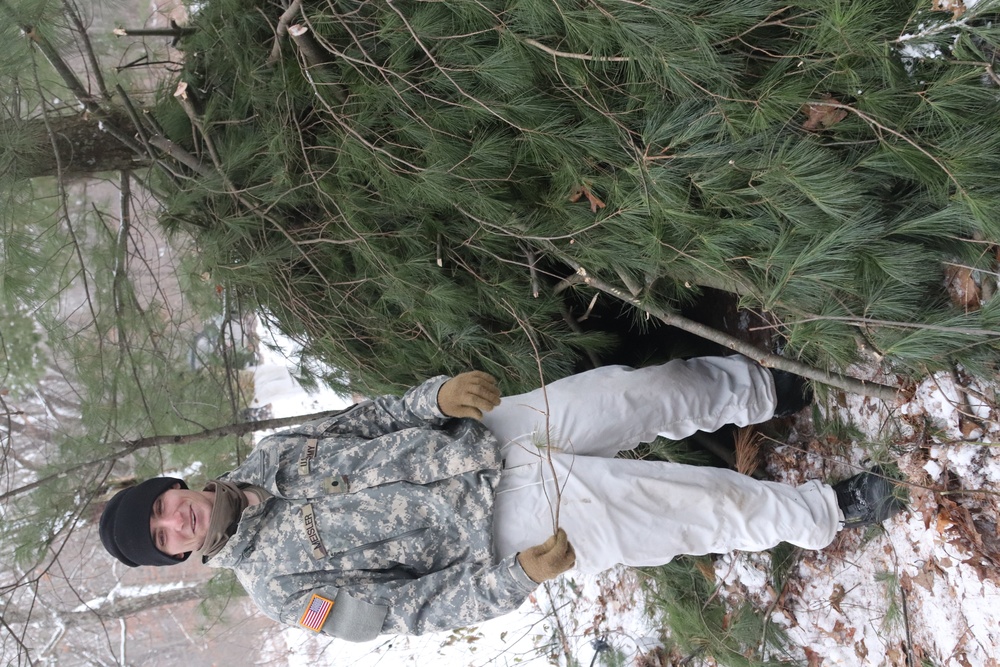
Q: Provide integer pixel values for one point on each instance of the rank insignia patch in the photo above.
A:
(315, 614)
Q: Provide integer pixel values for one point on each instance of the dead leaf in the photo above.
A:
(814, 658)
(822, 115)
(970, 429)
(896, 656)
(956, 7)
(837, 597)
(706, 568)
(861, 650)
(962, 287)
(924, 578)
(584, 191)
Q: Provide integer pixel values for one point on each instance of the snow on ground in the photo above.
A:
(926, 588)
(607, 606)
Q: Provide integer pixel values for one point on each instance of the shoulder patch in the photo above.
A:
(316, 612)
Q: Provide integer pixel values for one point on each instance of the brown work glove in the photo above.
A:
(469, 395)
(549, 560)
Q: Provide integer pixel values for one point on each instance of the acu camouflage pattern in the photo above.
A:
(403, 503)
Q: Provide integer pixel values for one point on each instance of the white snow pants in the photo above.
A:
(644, 512)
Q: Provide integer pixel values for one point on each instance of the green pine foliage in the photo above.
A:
(395, 206)
(703, 625)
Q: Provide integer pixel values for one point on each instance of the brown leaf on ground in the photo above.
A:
(658, 657)
(962, 287)
(924, 579)
(837, 597)
(956, 7)
(841, 632)
(821, 115)
(896, 656)
(583, 191)
(706, 568)
(971, 430)
(814, 658)
(977, 537)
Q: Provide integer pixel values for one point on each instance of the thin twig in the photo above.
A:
(577, 56)
(532, 271)
(548, 427)
(71, 11)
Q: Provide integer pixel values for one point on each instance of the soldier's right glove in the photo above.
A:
(548, 560)
(469, 395)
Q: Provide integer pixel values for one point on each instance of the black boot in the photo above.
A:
(792, 391)
(868, 498)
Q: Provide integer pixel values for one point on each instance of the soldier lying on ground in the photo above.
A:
(437, 510)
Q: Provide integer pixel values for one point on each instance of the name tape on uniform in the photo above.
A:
(312, 532)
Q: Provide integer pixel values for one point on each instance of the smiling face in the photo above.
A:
(178, 523)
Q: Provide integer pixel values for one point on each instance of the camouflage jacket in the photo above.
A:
(381, 522)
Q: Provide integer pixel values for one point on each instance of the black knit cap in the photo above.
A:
(125, 524)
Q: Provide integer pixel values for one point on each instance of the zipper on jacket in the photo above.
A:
(378, 543)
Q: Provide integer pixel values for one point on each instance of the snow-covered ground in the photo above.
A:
(926, 588)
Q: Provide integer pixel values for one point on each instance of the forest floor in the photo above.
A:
(924, 589)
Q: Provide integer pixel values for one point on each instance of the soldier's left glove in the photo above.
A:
(469, 395)
(549, 559)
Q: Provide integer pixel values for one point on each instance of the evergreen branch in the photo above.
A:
(192, 162)
(368, 62)
(143, 135)
(281, 30)
(448, 76)
(69, 78)
(124, 448)
(179, 154)
(526, 237)
(69, 7)
(896, 133)
(986, 66)
(864, 322)
(576, 56)
(764, 358)
(187, 103)
(65, 72)
(765, 22)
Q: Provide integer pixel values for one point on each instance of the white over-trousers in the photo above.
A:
(560, 442)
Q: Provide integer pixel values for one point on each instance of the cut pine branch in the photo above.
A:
(764, 358)
(307, 45)
(175, 31)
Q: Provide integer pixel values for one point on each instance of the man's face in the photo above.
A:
(179, 521)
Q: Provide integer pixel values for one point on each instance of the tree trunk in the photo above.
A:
(118, 608)
(82, 147)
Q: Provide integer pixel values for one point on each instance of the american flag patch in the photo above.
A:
(316, 613)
